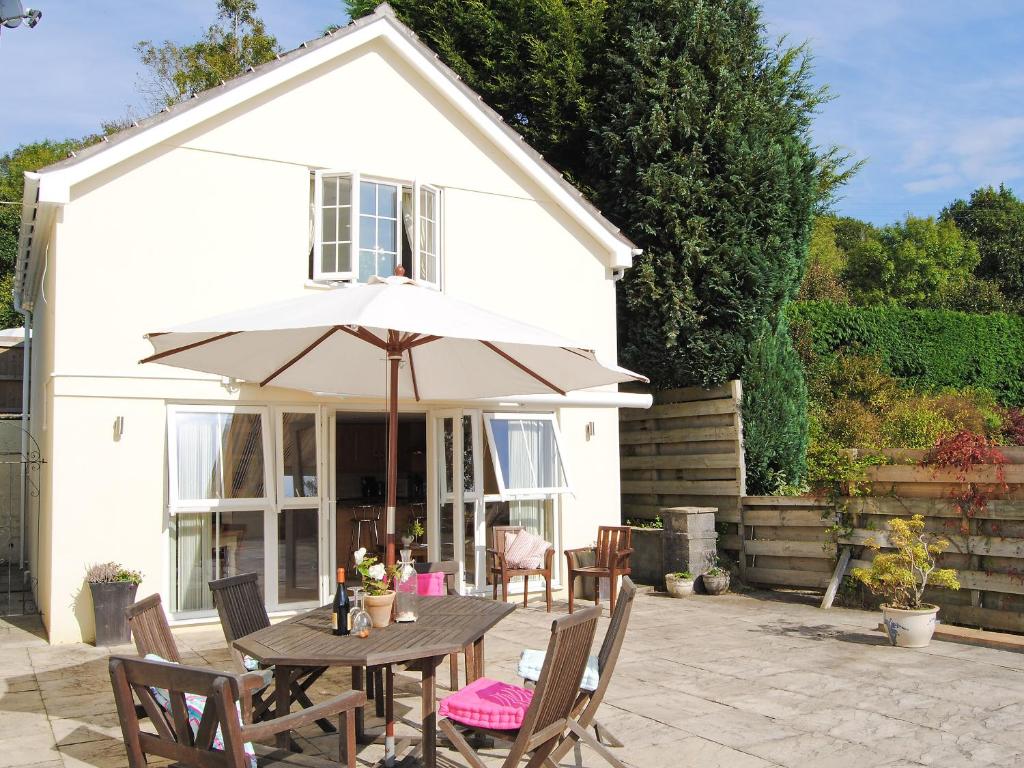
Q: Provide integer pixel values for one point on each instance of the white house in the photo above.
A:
(339, 160)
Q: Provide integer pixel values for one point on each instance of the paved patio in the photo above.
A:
(736, 681)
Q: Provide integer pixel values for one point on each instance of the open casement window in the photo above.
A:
(365, 226)
(526, 454)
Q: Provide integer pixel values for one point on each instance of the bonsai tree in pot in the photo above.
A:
(900, 578)
(715, 578)
(113, 589)
(412, 533)
(680, 584)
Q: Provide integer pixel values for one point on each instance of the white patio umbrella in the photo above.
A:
(389, 335)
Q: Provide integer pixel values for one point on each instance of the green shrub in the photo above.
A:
(926, 349)
(774, 414)
(915, 422)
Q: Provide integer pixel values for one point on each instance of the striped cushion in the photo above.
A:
(524, 550)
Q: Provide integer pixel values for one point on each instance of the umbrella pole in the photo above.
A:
(392, 482)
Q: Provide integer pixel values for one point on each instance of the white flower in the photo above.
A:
(377, 572)
(407, 572)
(359, 554)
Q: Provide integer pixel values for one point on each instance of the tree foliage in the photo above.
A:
(994, 220)
(237, 41)
(914, 263)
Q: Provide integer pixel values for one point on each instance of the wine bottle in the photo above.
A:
(340, 607)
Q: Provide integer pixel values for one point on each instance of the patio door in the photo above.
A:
(458, 526)
(296, 577)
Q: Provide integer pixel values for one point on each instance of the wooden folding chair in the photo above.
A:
(242, 612)
(150, 630)
(549, 713)
(225, 713)
(585, 709)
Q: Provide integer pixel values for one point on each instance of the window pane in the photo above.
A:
(298, 442)
(367, 262)
(211, 546)
(368, 197)
(367, 232)
(327, 262)
(427, 198)
(220, 455)
(344, 225)
(331, 190)
(298, 556)
(386, 235)
(387, 200)
(330, 229)
(344, 191)
(468, 479)
(344, 257)
(527, 453)
(386, 264)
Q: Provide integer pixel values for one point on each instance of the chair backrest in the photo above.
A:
(449, 568)
(559, 683)
(133, 679)
(150, 629)
(611, 539)
(498, 536)
(613, 638)
(240, 607)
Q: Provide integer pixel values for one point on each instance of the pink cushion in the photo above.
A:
(486, 703)
(524, 550)
(431, 584)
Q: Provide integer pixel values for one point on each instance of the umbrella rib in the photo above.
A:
(298, 357)
(522, 367)
(412, 370)
(365, 335)
(421, 340)
(193, 345)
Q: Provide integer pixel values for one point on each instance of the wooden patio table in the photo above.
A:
(445, 625)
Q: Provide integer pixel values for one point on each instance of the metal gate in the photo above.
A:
(19, 478)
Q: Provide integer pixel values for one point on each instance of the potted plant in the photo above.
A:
(715, 578)
(113, 589)
(680, 584)
(412, 533)
(378, 595)
(901, 577)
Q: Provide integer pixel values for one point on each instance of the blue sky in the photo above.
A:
(929, 92)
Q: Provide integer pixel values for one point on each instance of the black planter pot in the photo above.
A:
(109, 601)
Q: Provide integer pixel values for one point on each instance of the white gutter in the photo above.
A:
(576, 400)
(26, 371)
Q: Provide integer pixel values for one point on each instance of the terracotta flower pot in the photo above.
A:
(910, 629)
(379, 608)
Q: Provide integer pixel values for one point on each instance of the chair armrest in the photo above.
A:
(248, 684)
(499, 558)
(623, 554)
(570, 555)
(346, 702)
(549, 556)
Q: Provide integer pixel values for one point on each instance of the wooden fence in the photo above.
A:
(685, 451)
(787, 542)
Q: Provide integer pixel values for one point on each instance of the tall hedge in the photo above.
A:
(927, 348)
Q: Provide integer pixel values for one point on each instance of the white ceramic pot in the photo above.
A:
(910, 629)
(716, 584)
(678, 586)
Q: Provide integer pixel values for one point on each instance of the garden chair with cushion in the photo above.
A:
(242, 612)
(594, 683)
(516, 552)
(534, 721)
(202, 717)
(611, 560)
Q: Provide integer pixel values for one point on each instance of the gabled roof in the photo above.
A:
(52, 185)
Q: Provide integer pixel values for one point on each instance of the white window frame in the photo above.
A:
(300, 502)
(417, 246)
(176, 505)
(264, 504)
(399, 224)
(356, 178)
(525, 493)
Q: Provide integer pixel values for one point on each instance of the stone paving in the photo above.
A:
(738, 681)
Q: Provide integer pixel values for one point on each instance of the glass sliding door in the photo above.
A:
(460, 493)
(299, 522)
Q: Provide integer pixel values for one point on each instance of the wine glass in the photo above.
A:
(361, 621)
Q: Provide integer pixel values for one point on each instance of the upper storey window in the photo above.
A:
(365, 226)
